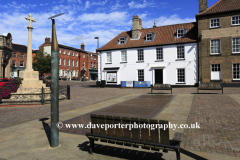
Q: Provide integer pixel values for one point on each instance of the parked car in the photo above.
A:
(3, 81)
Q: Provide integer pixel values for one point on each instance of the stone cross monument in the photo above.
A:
(30, 77)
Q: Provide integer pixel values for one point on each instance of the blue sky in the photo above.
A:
(86, 19)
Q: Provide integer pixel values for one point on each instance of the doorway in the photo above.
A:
(159, 76)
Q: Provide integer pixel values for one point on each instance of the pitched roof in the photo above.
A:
(164, 35)
(222, 6)
(19, 48)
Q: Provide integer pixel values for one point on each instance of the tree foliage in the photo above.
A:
(42, 62)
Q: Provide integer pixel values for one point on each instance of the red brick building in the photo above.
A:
(74, 62)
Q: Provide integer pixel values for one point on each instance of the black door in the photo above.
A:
(159, 76)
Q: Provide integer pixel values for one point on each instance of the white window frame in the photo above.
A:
(14, 63)
(238, 21)
(236, 71)
(22, 56)
(76, 63)
(91, 65)
(83, 64)
(181, 75)
(68, 53)
(59, 51)
(64, 52)
(124, 59)
(159, 53)
(22, 63)
(109, 57)
(149, 36)
(83, 55)
(236, 45)
(95, 58)
(59, 61)
(68, 62)
(213, 46)
(76, 54)
(72, 53)
(179, 34)
(140, 74)
(179, 53)
(215, 73)
(72, 63)
(122, 40)
(94, 64)
(212, 21)
(140, 55)
(15, 55)
(64, 62)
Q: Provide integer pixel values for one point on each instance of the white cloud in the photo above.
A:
(79, 1)
(176, 9)
(99, 3)
(87, 5)
(103, 17)
(71, 1)
(17, 7)
(116, 6)
(133, 4)
(44, 4)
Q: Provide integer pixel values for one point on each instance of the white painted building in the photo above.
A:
(165, 55)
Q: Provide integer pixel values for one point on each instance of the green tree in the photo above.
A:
(42, 62)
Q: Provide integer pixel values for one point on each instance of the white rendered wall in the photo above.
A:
(170, 64)
(47, 49)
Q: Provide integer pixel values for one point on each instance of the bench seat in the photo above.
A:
(161, 87)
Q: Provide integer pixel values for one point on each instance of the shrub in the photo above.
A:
(9, 87)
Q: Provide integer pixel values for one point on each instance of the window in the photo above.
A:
(109, 57)
(72, 54)
(181, 75)
(94, 58)
(91, 64)
(149, 37)
(63, 62)
(83, 64)
(84, 56)
(215, 46)
(123, 56)
(159, 53)
(14, 55)
(122, 40)
(14, 63)
(68, 62)
(59, 61)
(68, 53)
(76, 63)
(21, 63)
(59, 51)
(91, 58)
(216, 72)
(94, 65)
(76, 54)
(236, 71)
(22, 56)
(76, 73)
(180, 52)
(180, 33)
(63, 52)
(140, 55)
(214, 23)
(236, 20)
(236, 45)
(140, 75)
(72, 63)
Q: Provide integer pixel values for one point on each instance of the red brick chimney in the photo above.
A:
(47, 40)
(82, 46)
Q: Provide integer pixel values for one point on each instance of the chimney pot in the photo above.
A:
(82, 46)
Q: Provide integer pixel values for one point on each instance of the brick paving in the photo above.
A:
(82, 94)
(219, 119)
(144, 106)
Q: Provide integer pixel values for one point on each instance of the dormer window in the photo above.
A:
(149, 37)
(181, 33)
(122, 40)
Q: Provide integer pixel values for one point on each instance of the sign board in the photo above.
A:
(129, 83)
(111, 77)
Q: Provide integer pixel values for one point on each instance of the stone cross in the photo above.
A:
(30, 20)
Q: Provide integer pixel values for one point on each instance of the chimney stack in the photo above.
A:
(47, 40)
(136, 26)
(202, 5)
(82, 46)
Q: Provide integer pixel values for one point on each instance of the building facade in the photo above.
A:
(219, 45)
(73, 62)
(165, 55)
(5, 54)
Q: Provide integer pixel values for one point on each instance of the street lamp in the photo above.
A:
(54, 85)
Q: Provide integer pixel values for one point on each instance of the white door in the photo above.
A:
(215, 72)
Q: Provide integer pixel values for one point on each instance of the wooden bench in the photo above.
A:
(145, 137)
(161, 87)
(210, 86)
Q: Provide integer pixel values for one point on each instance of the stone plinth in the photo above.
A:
(31, 79)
